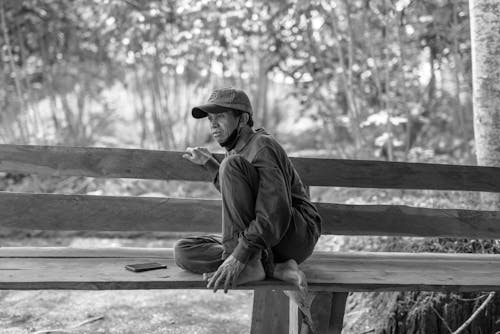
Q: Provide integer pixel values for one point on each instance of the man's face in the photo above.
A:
(222, 125)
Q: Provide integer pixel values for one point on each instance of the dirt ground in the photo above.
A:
(138, 311)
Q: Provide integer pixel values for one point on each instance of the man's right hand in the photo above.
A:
(197, 155)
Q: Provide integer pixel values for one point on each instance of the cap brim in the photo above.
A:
(204, 110)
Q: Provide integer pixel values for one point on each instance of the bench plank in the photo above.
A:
(112, 213)
(169, 165)
(99, 162)
(103, 268)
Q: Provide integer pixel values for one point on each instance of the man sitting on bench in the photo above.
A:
(269, 224)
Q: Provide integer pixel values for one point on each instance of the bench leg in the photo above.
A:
(270, 312)
(336, 321)
(327, 311)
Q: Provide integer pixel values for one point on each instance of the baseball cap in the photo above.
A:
(221, 100)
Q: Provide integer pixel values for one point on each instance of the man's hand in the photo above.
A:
(228, 271)
(197, 155)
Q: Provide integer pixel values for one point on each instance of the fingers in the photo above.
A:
(204, 151)
(227, 281)
(233, 281)
(219, 280)
(190, 154)
(207, 276)
(198, 155)
(214, 278)
(211, 280)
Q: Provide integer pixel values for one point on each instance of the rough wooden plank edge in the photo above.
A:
(274, 285)
(169, 165)
(114, 213)
(167, 253)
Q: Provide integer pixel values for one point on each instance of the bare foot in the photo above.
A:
(289, 272)
(254, 271)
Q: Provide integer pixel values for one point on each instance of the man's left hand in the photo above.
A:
(228, 272)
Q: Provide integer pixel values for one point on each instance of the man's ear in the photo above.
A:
(244, 118)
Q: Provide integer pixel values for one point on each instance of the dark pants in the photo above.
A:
(239, 183)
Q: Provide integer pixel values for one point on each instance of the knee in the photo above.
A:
(231, 165)
(181, 245)
(181, 248)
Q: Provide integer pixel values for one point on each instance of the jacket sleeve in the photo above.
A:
(273, 207)
(212, 166)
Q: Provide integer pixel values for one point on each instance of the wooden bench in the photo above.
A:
(331, 275)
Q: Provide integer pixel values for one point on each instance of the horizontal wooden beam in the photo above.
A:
(111, 213)
(402, 220)
(33, 268)
(108, 213)
(99, 162)
(168, 165)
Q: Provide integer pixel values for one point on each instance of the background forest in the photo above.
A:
(363, 79)
(347, 77)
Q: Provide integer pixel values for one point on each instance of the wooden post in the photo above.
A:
(327, 311)
(270, 312)
(337, 311)
(485, 52)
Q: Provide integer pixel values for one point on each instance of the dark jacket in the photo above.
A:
(280, 190)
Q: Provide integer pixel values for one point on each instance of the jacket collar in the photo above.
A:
(246, 134)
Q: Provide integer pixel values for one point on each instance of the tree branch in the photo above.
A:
(442, 319)
(475, 314)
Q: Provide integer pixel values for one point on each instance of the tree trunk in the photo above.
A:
(485, 25)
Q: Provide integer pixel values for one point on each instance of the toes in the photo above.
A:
(293, 264)
(207, 276)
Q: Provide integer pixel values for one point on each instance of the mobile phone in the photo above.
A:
(138, 267)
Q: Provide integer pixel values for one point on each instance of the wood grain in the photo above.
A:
(108, 213)
(72, 268)
(270, 312)
(99, 162)
(169, 165)
(111, 213)
(401, 220)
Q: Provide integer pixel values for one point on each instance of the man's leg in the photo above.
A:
(299, 240)
(239, 183)
(199, 255)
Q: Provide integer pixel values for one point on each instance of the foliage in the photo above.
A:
(377, 77)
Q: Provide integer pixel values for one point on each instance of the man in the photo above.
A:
(269, 224)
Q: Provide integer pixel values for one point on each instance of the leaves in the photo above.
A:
(361, 67)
